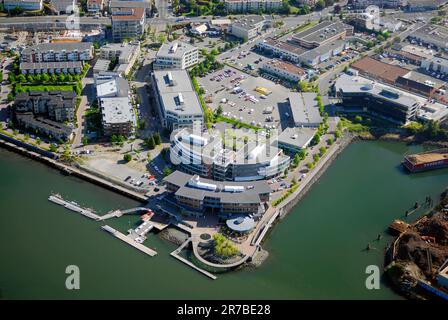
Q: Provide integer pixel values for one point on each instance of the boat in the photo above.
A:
(429, 160)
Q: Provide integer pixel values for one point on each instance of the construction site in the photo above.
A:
(417, 261)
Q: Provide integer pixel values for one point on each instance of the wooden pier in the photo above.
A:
(73, 206)
(176, 255)
(128, 240)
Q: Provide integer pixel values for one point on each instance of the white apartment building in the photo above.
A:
(58, 52)
(245, 6)
(127, 23)
(249, 27)
(176, 55)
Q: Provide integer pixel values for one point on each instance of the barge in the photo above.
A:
(429, 160)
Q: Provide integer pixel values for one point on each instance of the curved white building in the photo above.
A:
(211, 156)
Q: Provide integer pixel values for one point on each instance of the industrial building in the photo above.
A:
(323, 33)
(433, 35)
(312, 46)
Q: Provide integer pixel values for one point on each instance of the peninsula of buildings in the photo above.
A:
(226, 119)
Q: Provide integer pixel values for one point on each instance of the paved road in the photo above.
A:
(4, 21)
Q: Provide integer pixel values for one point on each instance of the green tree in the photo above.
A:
(127, 157)
(320, 5)
(316, 139)
(21, 78)
(150, 143)
(167, 171)
(157, 138)
(85, 141)
(337, 134)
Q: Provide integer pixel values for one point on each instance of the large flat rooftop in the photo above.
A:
(174, 49)
(304, 107)
(379, 70)
(360, 85)
(322, 31)
(173, 81)
(428, 157)
(117, 110)
(194, 187)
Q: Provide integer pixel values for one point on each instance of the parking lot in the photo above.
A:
(235, 92)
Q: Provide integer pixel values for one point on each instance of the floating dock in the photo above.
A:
(73, 206)
(130, 241)
(176, 255)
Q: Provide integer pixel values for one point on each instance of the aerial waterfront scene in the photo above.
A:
(216, 150)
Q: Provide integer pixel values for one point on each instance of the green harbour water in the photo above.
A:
(316, 252)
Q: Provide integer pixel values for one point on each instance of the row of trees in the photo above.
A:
(209, 64)
(43, 78)
(429, 130)
(153, 140)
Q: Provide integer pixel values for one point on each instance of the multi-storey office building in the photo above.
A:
(176, 100)
(176, 55)
(380, 99)
(210, 156)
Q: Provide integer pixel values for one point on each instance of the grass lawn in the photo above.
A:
(236, 123)
(47, 87)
